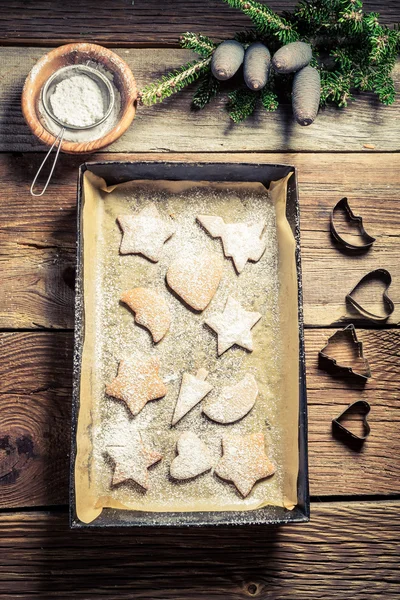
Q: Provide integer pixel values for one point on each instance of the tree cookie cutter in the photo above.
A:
(382, 275)
(367, 240)
(339, 429)
(346, 335)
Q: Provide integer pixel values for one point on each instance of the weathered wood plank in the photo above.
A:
(37, 239)
(35, 392)
(134, 23)
(172, 126)
(35, 397)
(348, 550)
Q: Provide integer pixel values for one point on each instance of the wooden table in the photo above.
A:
(350, 547)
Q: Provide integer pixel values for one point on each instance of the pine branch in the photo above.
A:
(269, 99)
(200, 44)
(241, 104)
(174, 82)
(266, 20)
(351, 50)
(207, 89)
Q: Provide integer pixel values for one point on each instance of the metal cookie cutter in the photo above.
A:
(382, 275)
(46, 93)
(368, 240)
(347, 335)
(338, 428)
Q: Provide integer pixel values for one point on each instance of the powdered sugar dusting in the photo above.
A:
(189, 346)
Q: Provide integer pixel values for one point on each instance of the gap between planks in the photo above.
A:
(38, 239)
(347, 550)
(173, 126)
(35, 388)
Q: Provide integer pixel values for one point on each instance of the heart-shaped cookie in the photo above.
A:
(361, 408)
(377, 275)
(195, 278)
(193, 457)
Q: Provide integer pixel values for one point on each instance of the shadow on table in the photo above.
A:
(158, 563)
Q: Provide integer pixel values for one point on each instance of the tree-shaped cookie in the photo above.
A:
(137, 383)
(241, 241)
(145, 233)
(244, 461)
(233, 326)
(151, 310)
(234, 401)
(193, 389)
(133, 462)
(193, 457)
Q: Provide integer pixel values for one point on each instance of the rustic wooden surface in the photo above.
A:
(350, 548)
(134, 22)
(38, 238)
(35, 391)
(173, 127)
(347, 551)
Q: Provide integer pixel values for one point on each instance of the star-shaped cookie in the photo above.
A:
(137, 383)
(145, 233)
(233, 326)
(244, 461)
(132, 462)
(241, 241)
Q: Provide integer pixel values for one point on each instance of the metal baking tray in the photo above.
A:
(118, 172)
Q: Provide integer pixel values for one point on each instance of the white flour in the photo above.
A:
(78, 101)
(86, 135)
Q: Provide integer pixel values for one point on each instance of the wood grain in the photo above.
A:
(35, 392)
(348, 550)
(35, 396)
(134, 23)
(37, 239)
(173, 126)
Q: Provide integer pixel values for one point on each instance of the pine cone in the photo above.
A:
(227, 59)
(292, 57)
(306, 94)
(257, 60)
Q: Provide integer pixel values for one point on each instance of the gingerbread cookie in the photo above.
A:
(137, 383)
(151, 310)
(193, 457)
(244, 461)
(233, 326)
(133, 462)
(234, 402)
(240, 241)
(195, 278)
(193, 390)
(145, 233)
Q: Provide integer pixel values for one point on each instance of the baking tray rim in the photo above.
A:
(301, 512)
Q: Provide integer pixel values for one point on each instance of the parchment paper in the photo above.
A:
(269, 287)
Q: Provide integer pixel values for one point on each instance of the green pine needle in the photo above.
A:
(207, 89)
(351, 50)
(266, 20)
(174, 82)
(269, 99)
(241, 104)
(200, 44)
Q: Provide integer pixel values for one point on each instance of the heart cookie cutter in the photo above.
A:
(368, 240)
(348, 334)
(378, 274)
(339, 429)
